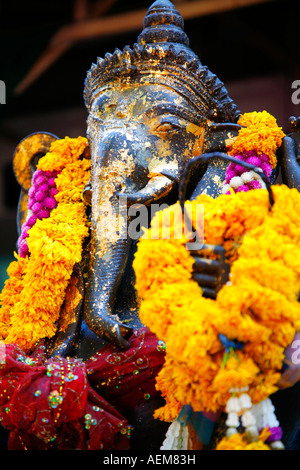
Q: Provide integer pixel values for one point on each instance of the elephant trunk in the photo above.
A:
(119, 166)
(110, 248)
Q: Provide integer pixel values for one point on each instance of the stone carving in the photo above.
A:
(151, 108)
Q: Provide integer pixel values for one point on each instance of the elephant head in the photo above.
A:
(151, 108)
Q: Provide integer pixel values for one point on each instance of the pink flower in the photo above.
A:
(51, 182)
(31, 221)
(43, 214)
(40, 180)
(254, 161)
(41, 201)
(50, 203)
(254, 185)
(230, 174)
(39, 196)
(49, 173)
(276, 434)
(23, 235)
(30, 204)
(23, 248)
(267, 169)
(240, 169)
(244, 187)
(44, 188)
(264, 158)
(36, 175)
(240, 156)
(53, 192)
(36, 207)
(31, 191)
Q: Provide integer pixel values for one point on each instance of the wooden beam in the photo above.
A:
(80, 10)
(189, 10)
(101, 7)
(78, 31)
(130, 21)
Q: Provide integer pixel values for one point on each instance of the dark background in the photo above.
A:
(254, 50)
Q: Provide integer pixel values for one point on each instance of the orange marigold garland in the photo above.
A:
(50, 245)
(257, 310)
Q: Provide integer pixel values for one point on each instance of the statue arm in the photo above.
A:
(290, 156)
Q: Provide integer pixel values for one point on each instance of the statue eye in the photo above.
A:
(167, 127)
(111, 105)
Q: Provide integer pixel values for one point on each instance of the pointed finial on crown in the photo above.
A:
(162, 52)
(163, 23)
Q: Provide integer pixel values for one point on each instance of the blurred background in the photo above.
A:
(47, 47)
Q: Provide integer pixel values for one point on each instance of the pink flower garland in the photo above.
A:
(41, 201)
(276, 433)
(240, 178)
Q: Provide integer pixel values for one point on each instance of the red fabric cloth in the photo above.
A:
(71, 404)
(126, 378)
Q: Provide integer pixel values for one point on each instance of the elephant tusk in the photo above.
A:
(156, 188)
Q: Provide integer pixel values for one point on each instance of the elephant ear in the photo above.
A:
(25, 159)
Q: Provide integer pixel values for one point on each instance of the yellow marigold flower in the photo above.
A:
(238, 372)
(71, 181)
(62, 152)
(175, 264)
(239, 442)
(264, 385)
(172, 407)
(267, 355)
(11, 291)
(260, 133)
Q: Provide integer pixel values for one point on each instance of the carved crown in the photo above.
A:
(162, 55)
